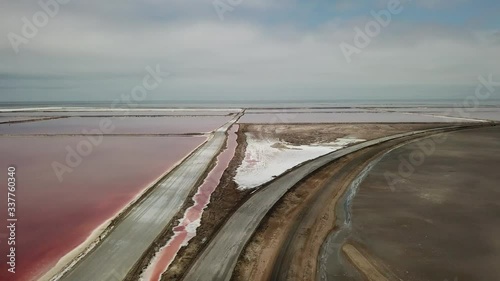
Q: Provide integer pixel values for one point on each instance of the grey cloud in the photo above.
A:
(100, 55)
(438, 4)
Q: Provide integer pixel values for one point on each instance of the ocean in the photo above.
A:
(495, 103)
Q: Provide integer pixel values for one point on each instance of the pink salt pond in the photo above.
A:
(119, 125)
(186, 229)
(55, 217)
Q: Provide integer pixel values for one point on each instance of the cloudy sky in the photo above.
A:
(246, 49)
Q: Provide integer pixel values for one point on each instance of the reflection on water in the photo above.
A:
(186, 229)
(54, 217)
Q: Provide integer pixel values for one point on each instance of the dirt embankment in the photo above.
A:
(257, 260)
(224, 200)
(299, 134)
(168, 232)
(287, 243)
(227, 198)
(363, 263)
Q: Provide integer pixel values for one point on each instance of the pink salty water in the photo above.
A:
(123, 113)
(120, 125)
(55, 217)
(185, 231)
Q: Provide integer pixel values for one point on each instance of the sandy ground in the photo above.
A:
(257, 261)
(228, 198)
(363, 263)
(287, 244)
(442, 221)
(304, 134)
(267, 158)
(219, 258)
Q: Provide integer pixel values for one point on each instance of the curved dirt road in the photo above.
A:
(296, 259)
(219, 258)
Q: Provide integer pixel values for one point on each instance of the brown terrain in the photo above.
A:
(287, 244)
(441, 219)
(224, 200)
(298, 134)
(257, 261)
(363, 263)
(228, 198)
